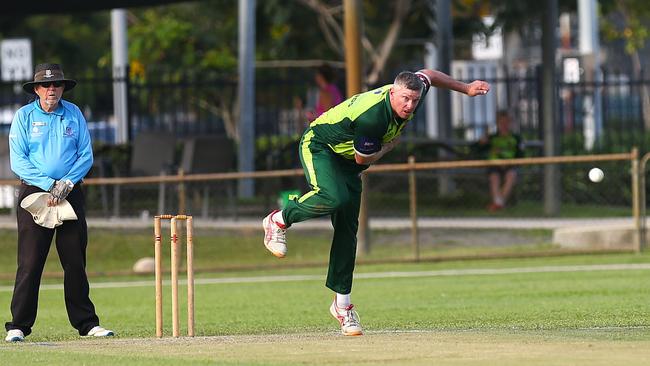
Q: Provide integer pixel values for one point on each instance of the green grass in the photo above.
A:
(515, 318)
(111, 251)
(555, 317)
(521, 301)
(523, 208)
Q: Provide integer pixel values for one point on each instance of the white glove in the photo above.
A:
(60, 191)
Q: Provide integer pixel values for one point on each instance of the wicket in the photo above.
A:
(175, 253)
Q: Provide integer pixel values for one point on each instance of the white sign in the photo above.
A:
(16, 59)
(571, 66)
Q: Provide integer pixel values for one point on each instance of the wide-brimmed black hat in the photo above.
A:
(45, 73)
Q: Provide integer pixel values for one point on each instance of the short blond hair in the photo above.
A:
(409, 81)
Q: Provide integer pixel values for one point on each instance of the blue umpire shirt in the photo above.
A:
(45, 147)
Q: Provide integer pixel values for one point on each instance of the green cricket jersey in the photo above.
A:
(362, 124)
(504, 147)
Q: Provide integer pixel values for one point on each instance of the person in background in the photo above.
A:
(328, 93)
(503, 144)
(51, 152)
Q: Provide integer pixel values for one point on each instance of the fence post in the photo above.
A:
(363, 235)
(182, 199)
(636, 202)
(413, 205)
(642, 199)
(127, 100)
(161, 194)
(116, 200)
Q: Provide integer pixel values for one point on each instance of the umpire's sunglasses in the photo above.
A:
(56, 84)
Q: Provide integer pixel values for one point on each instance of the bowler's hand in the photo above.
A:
(478, 87)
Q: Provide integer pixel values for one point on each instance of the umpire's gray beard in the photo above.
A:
(50, 103)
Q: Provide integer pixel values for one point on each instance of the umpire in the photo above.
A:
(51, 151)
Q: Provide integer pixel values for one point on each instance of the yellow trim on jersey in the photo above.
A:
(309, 165)
(344, 149)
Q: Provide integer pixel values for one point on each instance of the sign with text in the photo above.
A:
(16, 59)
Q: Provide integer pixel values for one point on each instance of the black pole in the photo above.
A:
(549, 107)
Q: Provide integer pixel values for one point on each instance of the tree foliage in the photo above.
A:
(631, 25)
(202, 35)
(78, 41)
(516, 14)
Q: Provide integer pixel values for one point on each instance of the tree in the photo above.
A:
(78, 41)
(194, 35)
(200, 37)
(378, 47)
(632, 28)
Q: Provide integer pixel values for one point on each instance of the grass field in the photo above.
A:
(115, 251)
(571, 310)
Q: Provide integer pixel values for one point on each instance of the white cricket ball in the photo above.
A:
(144, 265)
(596, 175)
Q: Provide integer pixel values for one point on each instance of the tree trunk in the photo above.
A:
(402, 8)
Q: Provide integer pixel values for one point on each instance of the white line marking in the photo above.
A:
(371, 275)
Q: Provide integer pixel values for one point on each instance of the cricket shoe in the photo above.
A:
(348, 319)
(98, 331)
(15, 335)
(275, 239)
(494, 207)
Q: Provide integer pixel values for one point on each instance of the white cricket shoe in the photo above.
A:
(274, 236)
(98, 331)
(15, 335)
(348, 319)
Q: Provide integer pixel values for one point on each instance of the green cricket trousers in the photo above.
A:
(336, 191)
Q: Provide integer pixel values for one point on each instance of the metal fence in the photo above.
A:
(192, 104)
